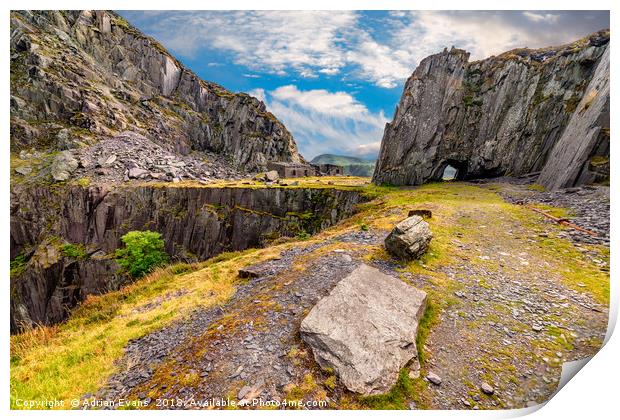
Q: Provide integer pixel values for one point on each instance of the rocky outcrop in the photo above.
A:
(79, 76)
(573, 159)
(409, 239)
(365, 329)
(195, 222)
(498, 116)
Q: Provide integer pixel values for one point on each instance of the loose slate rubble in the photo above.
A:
(130, 155)
(365, 329)
(409, 239)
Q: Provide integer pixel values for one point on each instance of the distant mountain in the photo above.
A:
(352, 165)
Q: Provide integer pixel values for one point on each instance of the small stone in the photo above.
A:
(108, 161)
(426, 214)
(63, 166)
(414, 371)
(537, 327)
(243, 392)
(487, 388)
(137, 173)
(271, 176)
(23, 170)
(433, 378)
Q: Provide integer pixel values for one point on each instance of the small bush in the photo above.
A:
(18, 265)
(74, 251)
(143, 252)
(303, 235)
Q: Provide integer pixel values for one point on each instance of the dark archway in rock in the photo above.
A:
(449, 173)
(451, 170)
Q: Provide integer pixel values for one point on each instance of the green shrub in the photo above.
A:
(18, 265)
(143, 252)
(303, 235)
(74, 251)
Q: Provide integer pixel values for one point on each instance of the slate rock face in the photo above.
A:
(196, 223)
(79, 76)
(502, 115)
(365, 329)
(570, 162)
(409, 239)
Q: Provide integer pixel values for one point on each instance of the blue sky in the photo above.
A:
(335, 77)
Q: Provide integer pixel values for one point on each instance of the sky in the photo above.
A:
(334, 78)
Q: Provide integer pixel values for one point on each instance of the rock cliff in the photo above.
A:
(502, 116)
(195, 222)
(79, 76)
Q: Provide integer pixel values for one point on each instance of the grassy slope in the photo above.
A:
(71, 359)
(341, 160)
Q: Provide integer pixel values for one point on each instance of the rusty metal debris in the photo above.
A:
(561, 221)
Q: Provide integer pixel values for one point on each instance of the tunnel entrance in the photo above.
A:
(452, 170)
(449, 173)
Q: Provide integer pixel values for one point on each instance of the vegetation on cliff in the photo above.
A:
(143, 251)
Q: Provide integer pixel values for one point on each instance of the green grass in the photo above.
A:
(75, 251)
(405, 390)
(536, 187)
(428, 321)
(18, 265)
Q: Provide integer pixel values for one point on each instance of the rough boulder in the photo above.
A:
(409, 239)
(365, 329)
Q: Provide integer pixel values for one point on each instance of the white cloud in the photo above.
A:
(380, 63)
(270, 41)
(323, 121)
(258, 93)
(368, 149)
(381, 50)
(307, 74)
(336, 104)
(329, 72)
(541, 17)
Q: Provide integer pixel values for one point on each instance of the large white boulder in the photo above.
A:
(365, 329)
